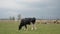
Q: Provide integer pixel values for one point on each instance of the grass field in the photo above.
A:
(12, 28)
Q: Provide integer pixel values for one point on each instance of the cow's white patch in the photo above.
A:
(32, 28)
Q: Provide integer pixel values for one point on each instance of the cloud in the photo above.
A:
(6, 13)
(10, 4)
(27, 1)
(12, 13)
(26, 4)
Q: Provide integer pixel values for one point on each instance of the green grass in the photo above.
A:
(12, 28)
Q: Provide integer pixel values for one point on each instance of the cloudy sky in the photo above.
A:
(30, 8)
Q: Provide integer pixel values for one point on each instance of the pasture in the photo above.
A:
(11, 27)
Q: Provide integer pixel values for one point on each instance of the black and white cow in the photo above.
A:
(27, 21)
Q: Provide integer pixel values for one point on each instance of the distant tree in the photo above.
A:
(19, 16)
(13, 18)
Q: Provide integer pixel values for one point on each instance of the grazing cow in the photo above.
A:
(27, 21)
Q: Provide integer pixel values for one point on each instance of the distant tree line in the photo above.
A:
(12, 18)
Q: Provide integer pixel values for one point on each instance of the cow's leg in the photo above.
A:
(33, 26)
(25, 27)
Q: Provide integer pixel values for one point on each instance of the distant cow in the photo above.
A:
(27, 21)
